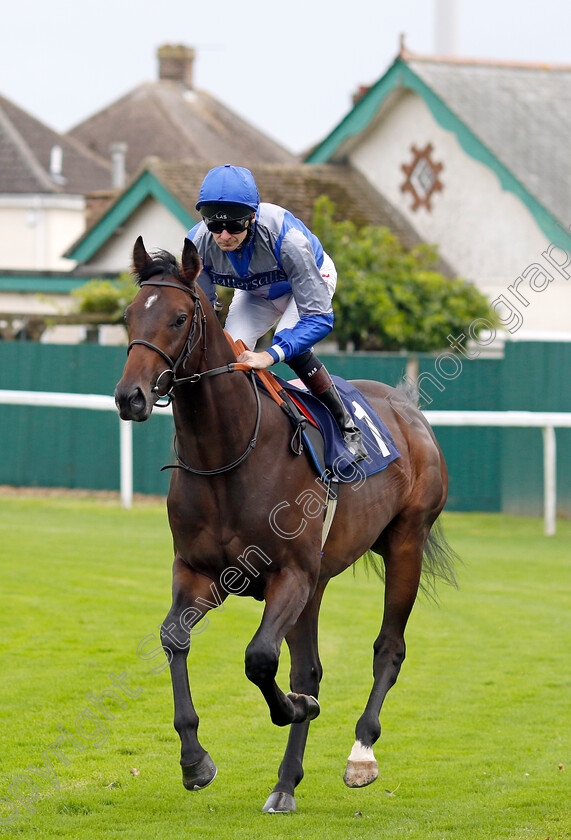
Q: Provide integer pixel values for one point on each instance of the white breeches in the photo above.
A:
(251, 316)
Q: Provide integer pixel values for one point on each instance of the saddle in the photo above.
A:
(317, 434)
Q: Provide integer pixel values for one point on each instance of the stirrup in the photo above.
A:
(354, 443)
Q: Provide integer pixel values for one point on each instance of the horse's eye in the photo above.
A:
(180, 320)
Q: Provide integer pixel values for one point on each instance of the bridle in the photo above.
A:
(198, 323)
(198, 320)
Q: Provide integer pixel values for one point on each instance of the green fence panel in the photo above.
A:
(471, 453)
(535, 377)
(76, 448)
(388, 368)
(152, 449)
(473, 467)
(490, 468)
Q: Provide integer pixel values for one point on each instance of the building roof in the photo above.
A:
(26, 160)
(522, 112)
(296, 187)
(513, 117)
(169, 118)
(176, 184)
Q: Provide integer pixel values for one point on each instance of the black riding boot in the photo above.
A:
(315, 377)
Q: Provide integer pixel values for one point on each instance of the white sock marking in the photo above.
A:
(361, 753)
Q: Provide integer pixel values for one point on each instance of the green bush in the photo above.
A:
(388, 298)
(108, 297)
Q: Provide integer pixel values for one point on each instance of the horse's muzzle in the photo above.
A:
(132, 403)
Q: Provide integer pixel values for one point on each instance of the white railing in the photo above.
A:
(97, 402)
(548, 421)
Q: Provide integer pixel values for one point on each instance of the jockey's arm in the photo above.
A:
(313, 299)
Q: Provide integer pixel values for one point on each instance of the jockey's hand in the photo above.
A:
(257, 361)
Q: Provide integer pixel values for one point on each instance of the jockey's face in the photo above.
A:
(228, 241)
(231, 241)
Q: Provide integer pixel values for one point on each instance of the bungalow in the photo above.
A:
(473, 154)
(159, 204)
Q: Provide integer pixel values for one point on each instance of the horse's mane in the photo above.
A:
(161, 262)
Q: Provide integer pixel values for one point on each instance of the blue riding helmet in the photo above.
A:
(229, 185)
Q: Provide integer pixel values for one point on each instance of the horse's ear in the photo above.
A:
(140, 256)
(191, 262)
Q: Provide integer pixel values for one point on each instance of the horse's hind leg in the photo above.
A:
(305, 676)
(402, 550)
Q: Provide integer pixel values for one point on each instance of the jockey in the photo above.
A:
(280, 273)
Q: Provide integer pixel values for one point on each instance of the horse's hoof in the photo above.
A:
(360, 773)
(309, 705)
(199, 775)
(279, 803)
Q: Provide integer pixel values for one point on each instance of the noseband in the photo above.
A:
(198, 319)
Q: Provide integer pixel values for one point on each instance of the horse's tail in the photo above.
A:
(439, 560)
(408, 390)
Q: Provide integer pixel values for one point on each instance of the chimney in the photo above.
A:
(446, 27)
(175, 64)
(118, 154)
(56, 165)
(361, 91)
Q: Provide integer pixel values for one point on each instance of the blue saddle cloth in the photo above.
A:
(338, 461)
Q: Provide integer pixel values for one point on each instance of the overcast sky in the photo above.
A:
(289, 68)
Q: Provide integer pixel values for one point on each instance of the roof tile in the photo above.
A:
(167, 119)
(295, 186)
(25, 149)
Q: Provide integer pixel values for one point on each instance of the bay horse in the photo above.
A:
(235, 470)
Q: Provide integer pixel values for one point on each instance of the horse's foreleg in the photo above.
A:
(305, 677)
(193, 596)
(286, 596)
(403, 561)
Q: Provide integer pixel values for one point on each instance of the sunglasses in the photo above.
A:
(233, 226)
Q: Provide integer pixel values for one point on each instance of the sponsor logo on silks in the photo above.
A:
(255, 281)
(325, 275)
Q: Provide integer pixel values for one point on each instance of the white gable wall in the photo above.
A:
(151, 220)
(35, 230)
(485, 232)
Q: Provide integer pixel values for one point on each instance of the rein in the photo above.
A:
(182, 466)
(199, 317)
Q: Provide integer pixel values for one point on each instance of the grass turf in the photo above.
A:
(475, 740)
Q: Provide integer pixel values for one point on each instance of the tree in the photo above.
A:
(388, 298)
